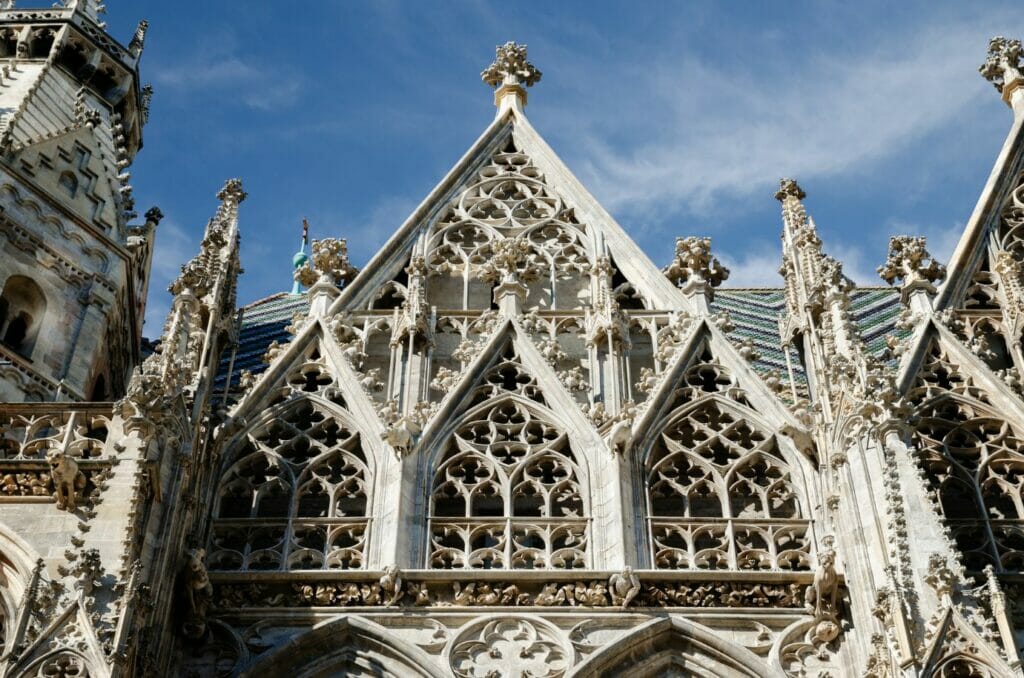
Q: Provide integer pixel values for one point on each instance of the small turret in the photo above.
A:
(300, 258)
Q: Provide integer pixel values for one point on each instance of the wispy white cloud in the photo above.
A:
(232, 75)
(725, 130)
(755, 269)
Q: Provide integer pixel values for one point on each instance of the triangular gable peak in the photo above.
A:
(314, 364)
(512, 205)
(705, 364)
(73, 162)
(956, 648)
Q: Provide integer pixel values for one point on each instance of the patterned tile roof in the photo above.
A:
(263, 322)
(754, 312)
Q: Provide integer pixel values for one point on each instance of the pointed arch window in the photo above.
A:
(22, 307)
(974, 462)
(720, 496)
(69, 184)
(296, 495)
(508, 494)
(975, 466)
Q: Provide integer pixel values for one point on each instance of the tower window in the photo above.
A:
(22, 306)
(69, 183)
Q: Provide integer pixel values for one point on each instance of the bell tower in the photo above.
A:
(75, 257)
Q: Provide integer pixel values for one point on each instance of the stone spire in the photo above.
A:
(1003, 69)
(138, 42)
(510, 75)
(817, 303)
(205, 289)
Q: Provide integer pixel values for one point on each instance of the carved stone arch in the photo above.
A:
(973, 459)
(64, 663)
(963, 666)
(17, 562)
(505, 489)
(349, 646)
(295, 492)
(720, 492)
(663, 645)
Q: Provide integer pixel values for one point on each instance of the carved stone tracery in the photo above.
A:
(719, 494)
(507, 494)
(295, 495)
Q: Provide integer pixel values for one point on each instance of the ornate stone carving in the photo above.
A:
(788, 188)
(910, 262)
(328, 264)
(510, 646)
(624, 587)
(68, 480)
(27, 484)
(822, 598)
(391, 585)
(197, 592)
(510, 67)
(694, 269)
(1003, 65)
(488, 593)
(620, 436)
(401, 435)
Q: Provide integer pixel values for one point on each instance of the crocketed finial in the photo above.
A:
(1003, 64)
(789, 188)
(510, 74)
(232, 192)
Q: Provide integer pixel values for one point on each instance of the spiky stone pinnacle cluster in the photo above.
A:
(510, 67)
(1003, 64)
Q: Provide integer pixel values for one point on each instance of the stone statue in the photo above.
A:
(391, 585)
(821, 598)
(624, 587)
(68, 480)
(401, 435)
(198, 593)
(620, 438)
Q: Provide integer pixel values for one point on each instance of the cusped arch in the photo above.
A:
(721, 492)
(972, 458)
(349, 646)
(295, 492)
(668, 643)
(17, 563)
(506, 490)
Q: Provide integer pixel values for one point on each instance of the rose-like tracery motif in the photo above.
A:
(507, 494)
(296, 496)
(511, 648)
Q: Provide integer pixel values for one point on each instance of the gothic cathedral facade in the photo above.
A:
(509, 445)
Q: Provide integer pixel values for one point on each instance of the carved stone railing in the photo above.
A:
(509, 543)
(731, 544)
(29, 431)
(257, 545)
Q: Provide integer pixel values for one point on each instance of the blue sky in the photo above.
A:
(679, 116)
